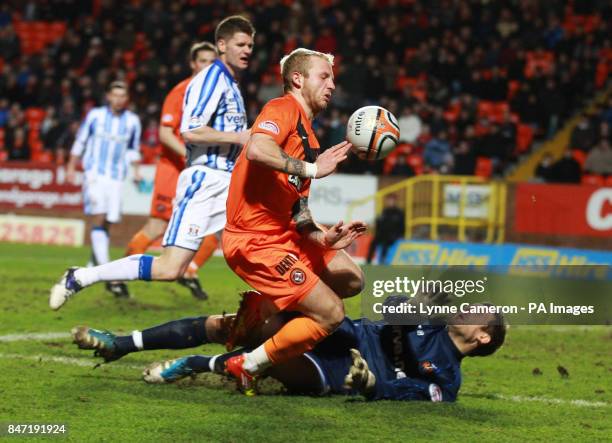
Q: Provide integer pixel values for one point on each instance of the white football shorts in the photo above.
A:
(199, 206)
(102, 195)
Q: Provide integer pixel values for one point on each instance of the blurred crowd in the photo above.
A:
(588, 157)
(473, 83)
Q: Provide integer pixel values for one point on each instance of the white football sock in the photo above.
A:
(256, 361)
(211, 363)
(126, 268)
(99, 244)
(137, 337)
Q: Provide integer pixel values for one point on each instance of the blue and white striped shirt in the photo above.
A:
(213, 99)
(107, 142)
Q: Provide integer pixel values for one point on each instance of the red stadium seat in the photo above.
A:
(579, 156)
(42, 156)
(416, 163)
(592, 179)
(3, 155)
(524, 137)
(484, 167)
(485, 108)
(34, 115)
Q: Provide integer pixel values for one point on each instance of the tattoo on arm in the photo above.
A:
(293, 166)
(303, 217)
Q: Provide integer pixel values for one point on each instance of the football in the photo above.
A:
(373, 131)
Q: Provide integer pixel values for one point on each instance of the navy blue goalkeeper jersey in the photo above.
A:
(409, 362)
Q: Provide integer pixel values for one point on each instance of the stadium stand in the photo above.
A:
(476, 83)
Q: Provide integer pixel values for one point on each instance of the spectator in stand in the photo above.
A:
(599, 159)
(544, 170)
(464, 158)
(410, 125)
(438, 155)
(566, 169)
(402, 168)
(16, 143)
(389, 228)
(584, 135)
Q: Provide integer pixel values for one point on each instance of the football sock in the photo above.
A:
(199, 363)
(177, 334)
(99, 244)
(297, 336)
(216, 363)
(134, 267)
(207, 248)
(125, 344)
(139, 244)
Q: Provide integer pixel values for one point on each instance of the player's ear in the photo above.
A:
(483, 338)
(221, 46)
(297, 79)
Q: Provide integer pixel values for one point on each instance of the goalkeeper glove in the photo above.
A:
(360, 378)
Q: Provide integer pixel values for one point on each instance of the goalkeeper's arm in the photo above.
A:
(362, 380)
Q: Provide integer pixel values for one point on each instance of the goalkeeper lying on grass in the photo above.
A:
(377, 360)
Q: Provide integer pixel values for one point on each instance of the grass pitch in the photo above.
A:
(516, 395)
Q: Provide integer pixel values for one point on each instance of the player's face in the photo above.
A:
(470, 326)
(117, 99)
(237, 50)
(203, 59)
(319, 84)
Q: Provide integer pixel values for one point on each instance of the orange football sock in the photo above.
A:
(208, 246)
(139, 244)
(297, 336)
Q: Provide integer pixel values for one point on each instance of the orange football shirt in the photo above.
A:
(260, 198)
(172, 111)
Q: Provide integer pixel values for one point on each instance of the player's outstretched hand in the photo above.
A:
(340, 235)
(327, 162)
(360, 377)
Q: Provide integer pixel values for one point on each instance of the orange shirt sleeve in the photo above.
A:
(172, 109)
(277, 119)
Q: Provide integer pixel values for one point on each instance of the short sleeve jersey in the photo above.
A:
(260, 198)
(172, 112)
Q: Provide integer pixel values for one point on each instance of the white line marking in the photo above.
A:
(84, 362)
(33, 336)
(556, 401)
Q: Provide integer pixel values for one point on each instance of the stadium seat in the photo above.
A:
(484, 167)
(524, 137)
(34, 115)
(3, 155)
(579, 156)
(485, 108)
(592, 179)
(608, 181)
(42, 156)
(416, 163)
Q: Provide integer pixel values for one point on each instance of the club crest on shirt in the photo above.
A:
(269, 126)
(193, 230)
(428, 367)
(298, 276)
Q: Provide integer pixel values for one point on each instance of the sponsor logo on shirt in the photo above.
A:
(269, 126)
(237, 118)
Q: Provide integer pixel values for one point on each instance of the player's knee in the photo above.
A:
(355, 283)
(334, 317)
